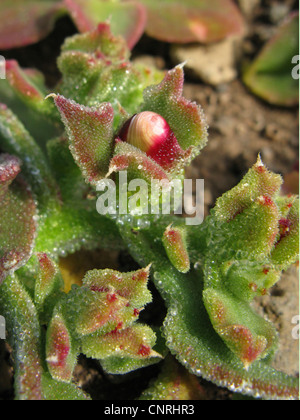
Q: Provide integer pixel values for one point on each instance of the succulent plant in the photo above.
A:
(193, 21)
(107, 116)
(270, 75)
(27, 21)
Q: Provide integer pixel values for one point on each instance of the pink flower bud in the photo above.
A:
(151, 133)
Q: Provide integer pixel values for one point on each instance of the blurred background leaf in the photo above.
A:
(270, 74)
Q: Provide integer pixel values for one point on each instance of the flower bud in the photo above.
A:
(151, 133)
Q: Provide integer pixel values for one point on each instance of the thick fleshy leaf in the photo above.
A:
(108, 301)
(61, 351)
(101, 312)
(116, 365)
(257, 182)
(270, 75)
(136, 163)
(59, 391)
(81, 228)
(101, 318)
(39, 126)
(286, 251)
(126, 18)
(27, 22)
(83, 61)
(174, 383)
(90, 133)
(251, 234)
(174, 241)
(131, 286)
(96, 68)
(247, 279)
(259, 224)
(192, 338)
(17, 218)
(48, 284)
(10, 167)
(168, 20)
(202, 353)
(105, 76)
(24, 335)
(135, 342)
(16, 140)
(100, 43)
(192, 20)
(72, 187)
(29, 87)
(147, 182)
(245, 228)
(247, 335)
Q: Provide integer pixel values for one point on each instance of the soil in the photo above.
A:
(241, 127)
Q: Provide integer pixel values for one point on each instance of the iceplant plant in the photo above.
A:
(111, 115)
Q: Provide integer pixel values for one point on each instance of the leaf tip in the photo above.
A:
(51, 95)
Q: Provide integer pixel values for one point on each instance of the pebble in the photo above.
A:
(214, 64)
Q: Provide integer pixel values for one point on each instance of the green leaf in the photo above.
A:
(174, 241)
(48, 285)
(100, 317)
(59, 391)
(61, 349)
(202, 352)
(126, 18)
(30, 87)
(256, 183)
(17, 217)
(90, 133)
(192, 20)
(39, 126)
(188, 331)
(24, 336)
(96, 68)
(108, 301)
(116, 365)
(73, 190)
(15, 139)
(137, 164)
(247, 335)
(174, 383)
(68, 229)
(19, 21)
(286, 251)
(244, 231)
(99, 311)
(125, 350)
(270, 75)
(131, 286)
